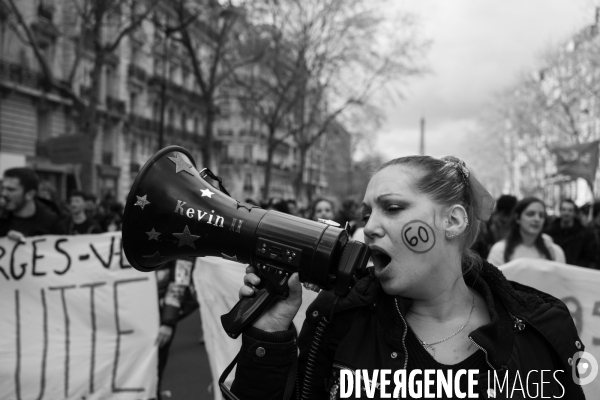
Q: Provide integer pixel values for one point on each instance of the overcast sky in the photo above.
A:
(479, 47)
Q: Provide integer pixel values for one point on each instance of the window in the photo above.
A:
(158, 67)
(184, 121)
(132, 102)
(173, 72)
(224, 152)
(108, 146)
(111, 82)
(43, 124)
(156, 111)
(136, 52)
(248, 153)
(171, 117)
(197, 126)
(248, 183)
(185, 75)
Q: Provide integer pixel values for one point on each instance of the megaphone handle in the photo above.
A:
(248, 309)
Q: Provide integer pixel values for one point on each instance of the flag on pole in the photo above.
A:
(578, 161)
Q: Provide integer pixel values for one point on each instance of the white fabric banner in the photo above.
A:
(218, 282)
(77, 321)
(578, 288)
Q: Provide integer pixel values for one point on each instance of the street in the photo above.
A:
(187, 375)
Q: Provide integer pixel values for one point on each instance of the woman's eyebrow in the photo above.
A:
(383, 196)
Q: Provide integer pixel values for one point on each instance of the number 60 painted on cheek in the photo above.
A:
(418, 236)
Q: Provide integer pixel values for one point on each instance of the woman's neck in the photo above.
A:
(444, 306)
(528, 238)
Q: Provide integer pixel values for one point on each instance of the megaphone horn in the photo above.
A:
(172, 212)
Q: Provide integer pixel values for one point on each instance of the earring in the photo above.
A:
(467, 221)
(451, 235)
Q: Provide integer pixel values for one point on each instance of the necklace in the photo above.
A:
(429, 346)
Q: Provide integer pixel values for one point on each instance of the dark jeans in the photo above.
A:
(163, 357)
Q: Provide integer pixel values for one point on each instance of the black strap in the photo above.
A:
(207, 172)
(289, 385)
(227, 394)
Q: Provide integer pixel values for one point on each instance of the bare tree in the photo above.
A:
(91, 32)
(268, 91)
(331, 58)
(212, 34)
(567, 88)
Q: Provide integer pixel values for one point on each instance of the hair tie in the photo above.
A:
(483, 202)
(460, 167)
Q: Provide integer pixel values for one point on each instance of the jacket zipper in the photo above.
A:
(341, 366)
(403, 336)
(484, 351)
(518, 324)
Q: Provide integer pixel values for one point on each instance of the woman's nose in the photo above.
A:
(373, 228)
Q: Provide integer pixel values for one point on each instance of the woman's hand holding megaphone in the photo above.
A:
(279, 317)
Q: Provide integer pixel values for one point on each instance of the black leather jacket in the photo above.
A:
(530, 331)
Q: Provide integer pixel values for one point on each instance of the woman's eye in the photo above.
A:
(394, 207)
(365, 217)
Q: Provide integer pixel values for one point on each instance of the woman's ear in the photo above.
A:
(457, 221)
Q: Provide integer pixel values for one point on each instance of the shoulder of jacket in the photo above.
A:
(517, 295)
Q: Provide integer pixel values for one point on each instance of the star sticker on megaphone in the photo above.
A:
(206, 193)
(186, 238)
(181, 164)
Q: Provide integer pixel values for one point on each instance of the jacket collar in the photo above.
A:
(495, 339)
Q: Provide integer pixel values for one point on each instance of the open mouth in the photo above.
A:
(380, 259)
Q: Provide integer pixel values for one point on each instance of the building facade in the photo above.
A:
(146, 80)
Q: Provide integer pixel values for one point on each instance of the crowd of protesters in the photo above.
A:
(523, 229)
(30, 208)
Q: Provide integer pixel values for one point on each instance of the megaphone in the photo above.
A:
(173, 212)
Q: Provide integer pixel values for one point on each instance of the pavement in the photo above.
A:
(187, 374)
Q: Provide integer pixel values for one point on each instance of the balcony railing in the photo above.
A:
(181, 134)
(174, 90)
(19, 74)
(115, 105)
(137, 72)
(142, 123)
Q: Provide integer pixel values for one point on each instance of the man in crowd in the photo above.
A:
(25, 215)
(577, 241)
(497, 227)
(79, 222)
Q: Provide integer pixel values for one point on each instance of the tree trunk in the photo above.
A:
(91, 112)
(207, 148)
(271, 146)
(299, 184)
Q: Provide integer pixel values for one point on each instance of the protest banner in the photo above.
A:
(577, 287)
(218, 282)
(77, 321)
